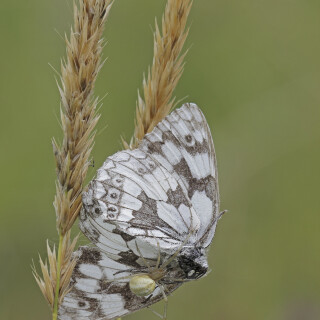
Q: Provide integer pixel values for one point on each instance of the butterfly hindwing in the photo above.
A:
(94, 296)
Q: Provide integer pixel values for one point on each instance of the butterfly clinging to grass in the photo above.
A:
(151, 214)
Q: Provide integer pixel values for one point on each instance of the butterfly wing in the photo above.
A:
(94, 297)
(158, 192)
(135, 197)
(182, 143)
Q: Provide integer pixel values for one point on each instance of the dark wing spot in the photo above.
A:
(152, 165)
(113, 195)
(112, 209)
(141, 170)
(188, 138)
(89, 255)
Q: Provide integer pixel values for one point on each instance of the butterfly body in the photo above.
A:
(151, 214)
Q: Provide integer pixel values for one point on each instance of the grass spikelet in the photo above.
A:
(166, 69)
(78, 119)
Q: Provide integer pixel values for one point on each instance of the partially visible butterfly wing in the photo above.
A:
(135, 197)
(94, 297)
(183, 145)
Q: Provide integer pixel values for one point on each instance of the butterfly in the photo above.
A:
(151, 214)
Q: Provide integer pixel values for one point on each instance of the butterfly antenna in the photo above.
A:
(221, 214)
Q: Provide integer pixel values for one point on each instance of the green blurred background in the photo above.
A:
(254, 69)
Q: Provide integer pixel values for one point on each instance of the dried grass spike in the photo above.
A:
(166, 70)
(78, 120)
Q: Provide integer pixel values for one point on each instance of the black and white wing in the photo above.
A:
(136, 194)
(158, 192)
(183, 145)
(95, 297)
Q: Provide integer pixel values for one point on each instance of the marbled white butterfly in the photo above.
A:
(151, 213)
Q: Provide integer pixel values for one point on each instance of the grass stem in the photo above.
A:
(56, 296)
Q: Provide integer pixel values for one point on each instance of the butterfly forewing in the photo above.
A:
(182, 143)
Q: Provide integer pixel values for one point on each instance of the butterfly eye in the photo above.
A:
(81, 304)
(97, 211)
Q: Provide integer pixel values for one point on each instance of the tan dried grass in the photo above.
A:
(165, 72)
(78, 120)
(47, 283)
